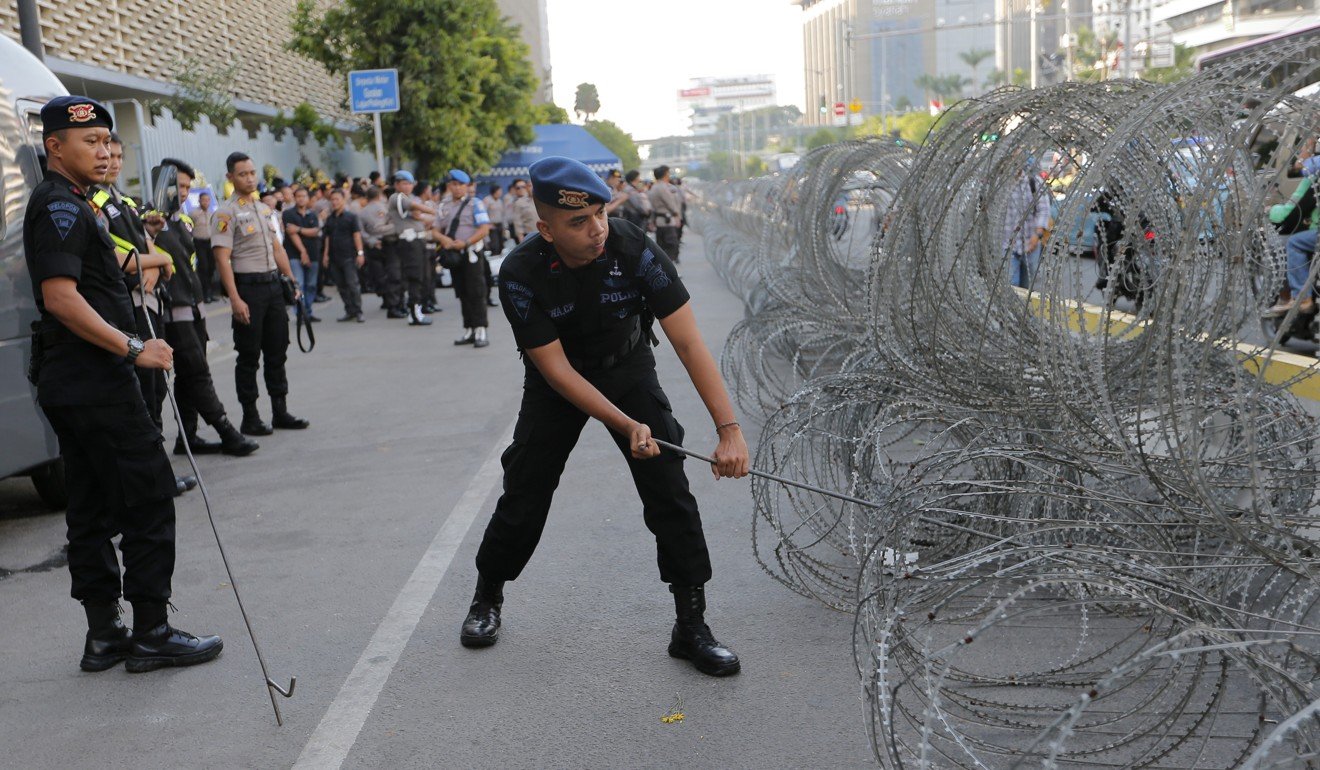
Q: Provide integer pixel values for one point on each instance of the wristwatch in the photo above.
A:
(359, 252)
(135, 347)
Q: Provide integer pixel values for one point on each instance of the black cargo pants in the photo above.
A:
(547, 430)
(193, 387)
(119, 482)
(264, 339)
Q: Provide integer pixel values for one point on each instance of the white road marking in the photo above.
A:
(334, 737)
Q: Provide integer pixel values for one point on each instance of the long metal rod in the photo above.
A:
(271, 686)
(771, 476)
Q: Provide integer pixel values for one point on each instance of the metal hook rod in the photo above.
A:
(772, 477)
(210, 517)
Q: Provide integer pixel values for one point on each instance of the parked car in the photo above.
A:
(27, 445)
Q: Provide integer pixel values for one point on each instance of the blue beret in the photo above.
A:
(404, 176)
(567, 184)
(458, 175)
(74, 112)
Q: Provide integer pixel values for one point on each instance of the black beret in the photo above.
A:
(74, 112)
(567, 184)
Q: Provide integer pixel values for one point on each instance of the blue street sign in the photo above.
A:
(373, 90)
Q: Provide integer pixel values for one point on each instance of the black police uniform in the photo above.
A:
(118, 476)
(601, 315)
(185, 331)
(128, 233)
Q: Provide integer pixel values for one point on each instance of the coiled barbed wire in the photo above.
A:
(1098, 539)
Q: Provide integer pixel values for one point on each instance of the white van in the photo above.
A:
(27, 444)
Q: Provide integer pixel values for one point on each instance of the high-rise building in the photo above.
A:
(706, 99)
(530, 16)
(1206, 25)
(873, 53)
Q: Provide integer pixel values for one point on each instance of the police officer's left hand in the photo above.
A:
(731, 456)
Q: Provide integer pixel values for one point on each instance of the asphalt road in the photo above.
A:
(353, 543)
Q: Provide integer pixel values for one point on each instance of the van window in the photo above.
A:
(32, 156)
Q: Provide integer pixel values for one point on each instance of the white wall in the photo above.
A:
(205, 148)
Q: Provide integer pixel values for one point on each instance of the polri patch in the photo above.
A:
(63, 214)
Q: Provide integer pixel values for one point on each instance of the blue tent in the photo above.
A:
(563, 139)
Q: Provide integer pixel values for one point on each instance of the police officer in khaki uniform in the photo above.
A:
(119, 479)
(460, 226)
(405, 250)
(251, 261)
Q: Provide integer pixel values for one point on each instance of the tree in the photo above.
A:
(547, 113)
(464, 80)
(586, 103)
(973, 59)
(619, 142)
(1184, 62)
(200, 92)
(822, 137)
(1093, 54)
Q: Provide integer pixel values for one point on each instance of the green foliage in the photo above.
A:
(465, 82)
(269, 172)
(306, 122)
(200, 92)
(974, 58)
(946, 88)
(586, 102)
(615, 138)
(754, 166)
(822, 137)
(547, 113)
(910, 126)
(903, 104)
(1184, 64)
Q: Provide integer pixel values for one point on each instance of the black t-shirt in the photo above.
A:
(591, 310)
(310, 242)
(63, 237)
(339, 229)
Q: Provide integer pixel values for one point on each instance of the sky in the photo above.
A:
(640, 53)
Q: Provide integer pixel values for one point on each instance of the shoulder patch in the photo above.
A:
(649, 270)
(63, 214)
(222, 223)
(521, 296)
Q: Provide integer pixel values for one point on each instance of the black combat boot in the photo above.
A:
(252, 424)
(108, 641)
(157, 644)
(197, 444)
(481, 628)
(232, 442)
(692, 639)
(282, 419)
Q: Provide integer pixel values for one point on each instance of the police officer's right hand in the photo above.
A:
(156, 354)
(240, 310)
(641, 443)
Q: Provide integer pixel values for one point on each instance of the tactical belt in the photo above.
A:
(609, 361)
(251, 278)
(56, 335)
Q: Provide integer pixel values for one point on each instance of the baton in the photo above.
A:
(772, 477)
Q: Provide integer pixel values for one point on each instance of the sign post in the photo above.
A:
(374, 91)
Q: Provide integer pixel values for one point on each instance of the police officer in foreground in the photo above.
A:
(118, 476)
(581, 295)
(251, 260)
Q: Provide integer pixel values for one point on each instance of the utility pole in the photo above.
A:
(1127, 38)
(1067, 49)
(1034, 45)
(29, 28)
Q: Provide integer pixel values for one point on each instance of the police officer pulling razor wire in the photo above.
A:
(118, 476)
(581, 295)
